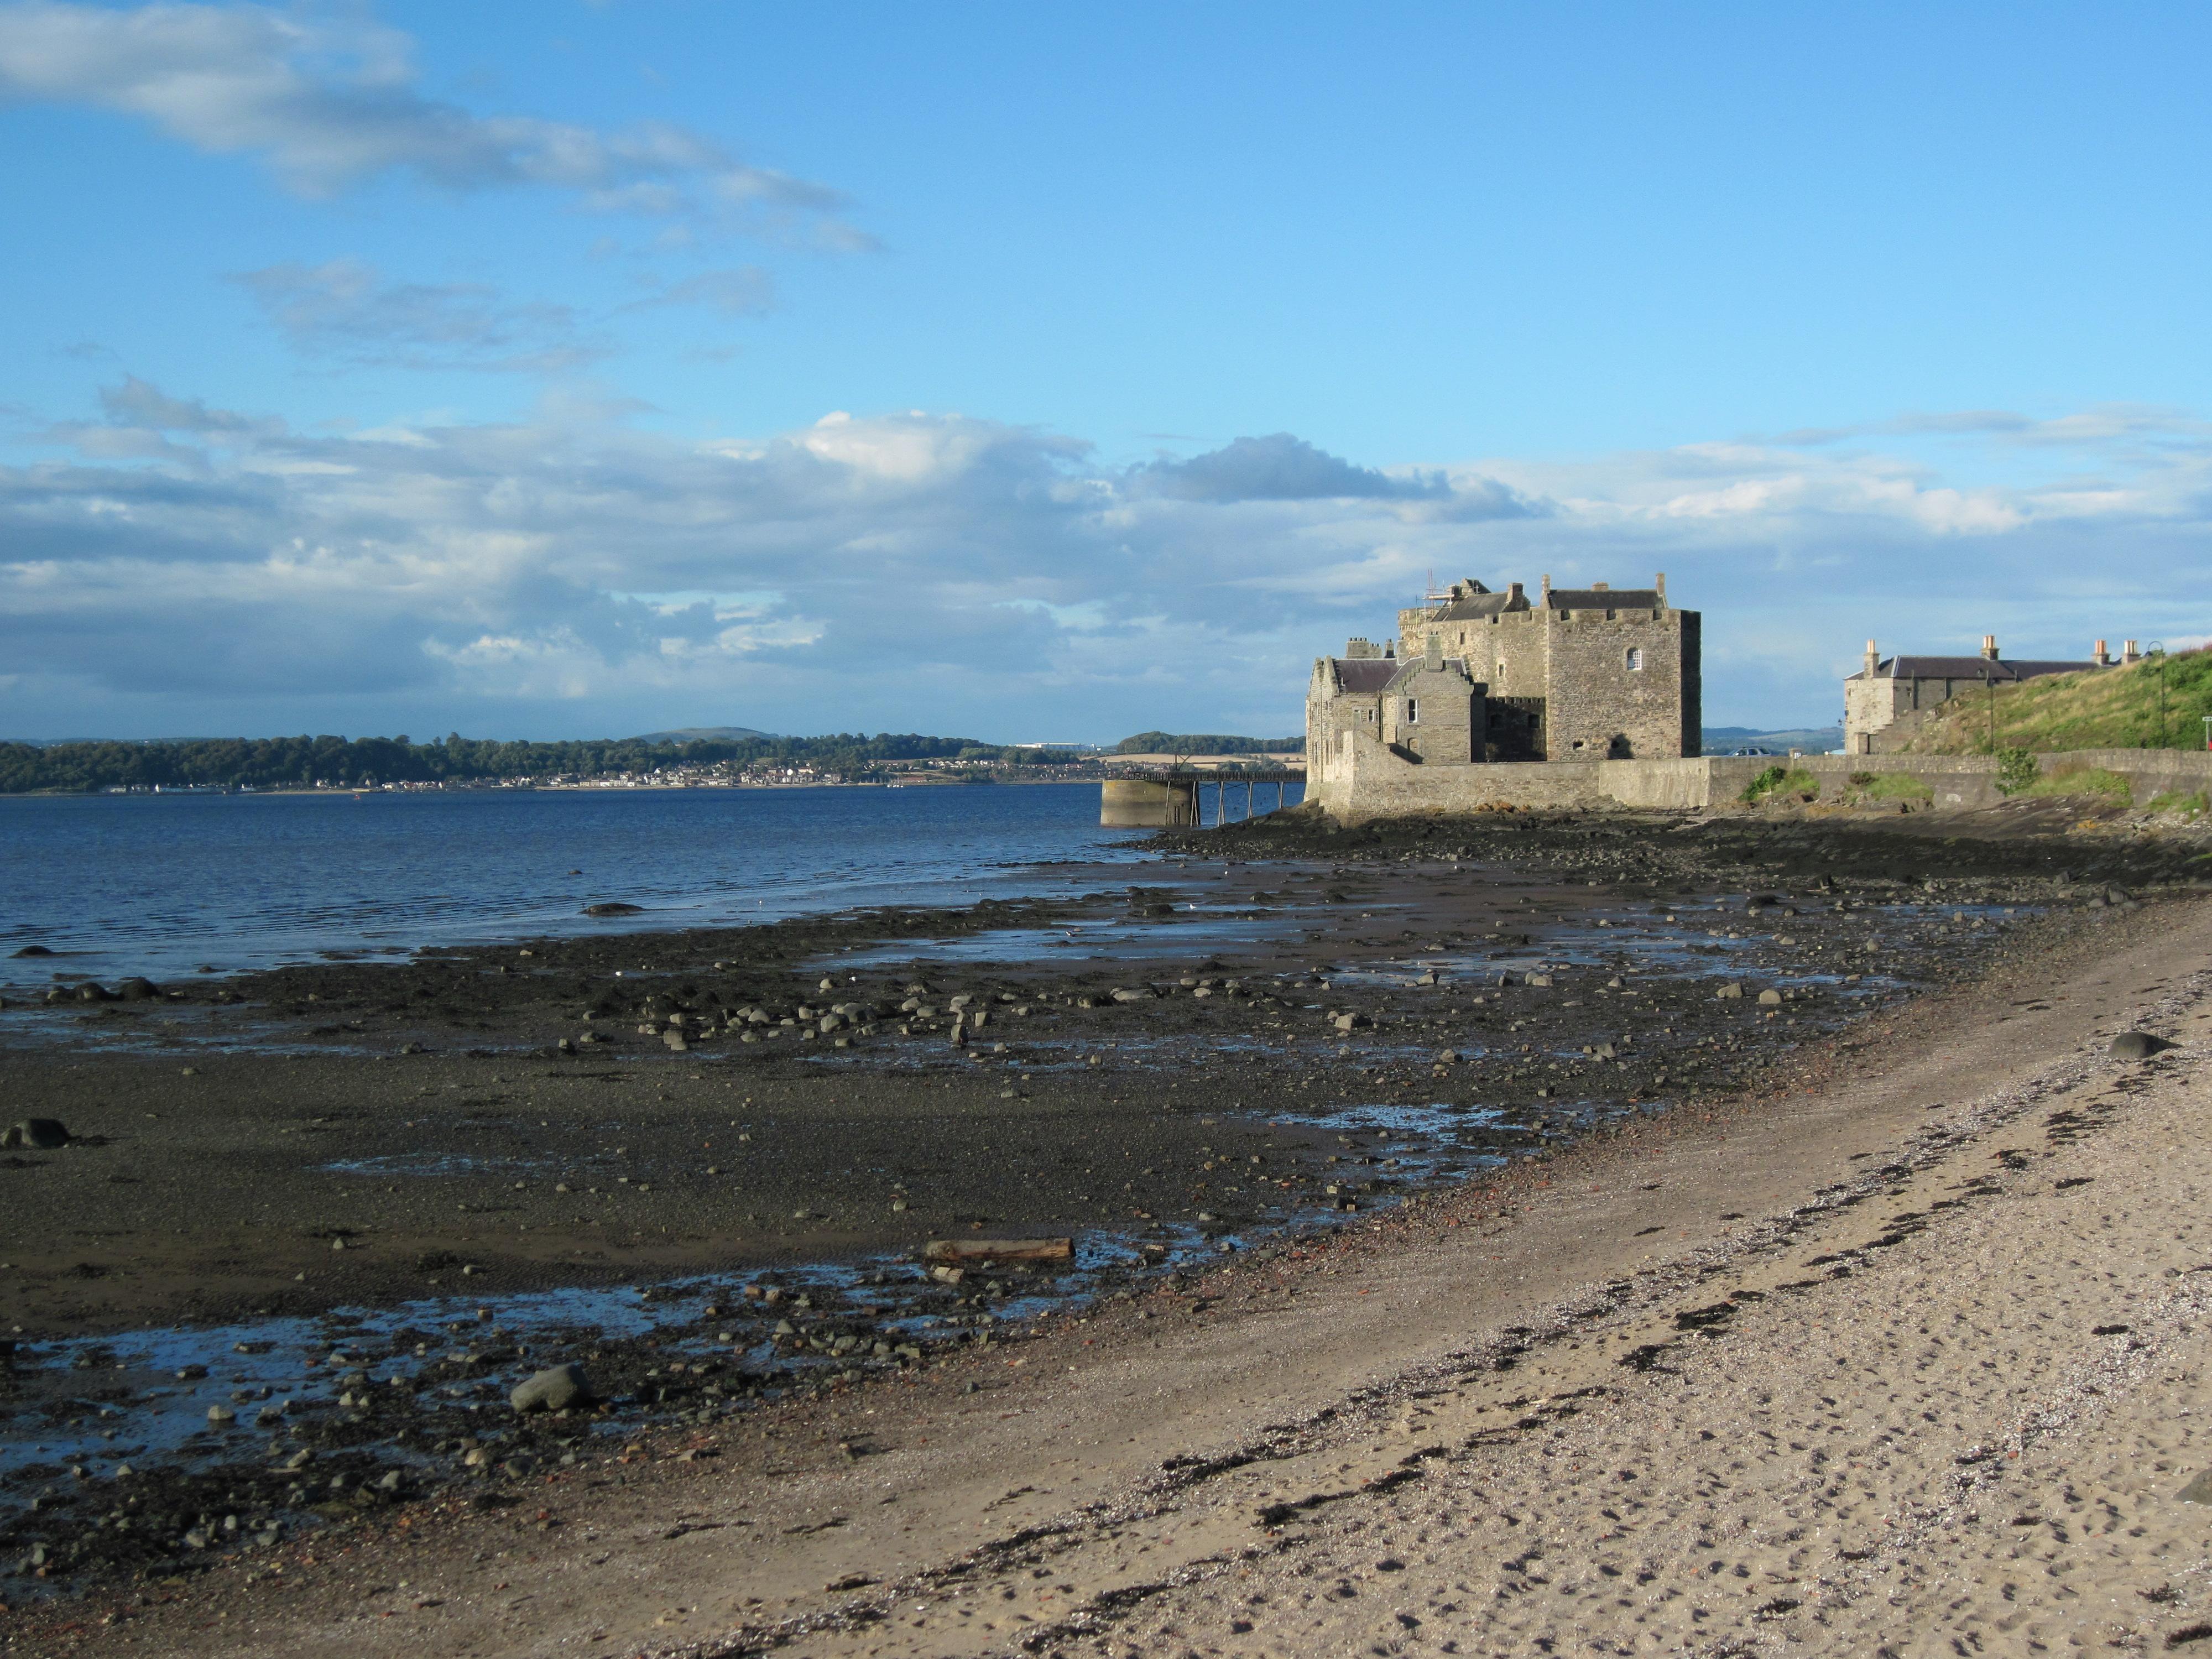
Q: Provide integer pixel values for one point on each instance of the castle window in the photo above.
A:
(1412, 711)
(1635, 658)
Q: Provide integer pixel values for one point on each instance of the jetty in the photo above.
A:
(1177, 797)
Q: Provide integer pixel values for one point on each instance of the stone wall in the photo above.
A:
(1600, 708)
(1362, 779)
(1436, 713)
(1511, 652)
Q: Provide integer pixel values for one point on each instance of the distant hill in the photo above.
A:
(703, 734)
(1206, 743)
(1811, 740)
(2097, 708)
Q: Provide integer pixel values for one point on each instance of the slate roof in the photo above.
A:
(1480, 607)
(1604, 598)
(1365, 676)
(1370, 677)
(2000, 671)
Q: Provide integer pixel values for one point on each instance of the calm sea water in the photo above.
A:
(160, 886)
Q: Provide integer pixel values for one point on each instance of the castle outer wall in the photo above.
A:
(1363, 780)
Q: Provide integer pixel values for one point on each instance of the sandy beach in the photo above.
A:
(1886, 1340)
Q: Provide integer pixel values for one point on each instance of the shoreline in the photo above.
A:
(1268, 1418)
(1198, 1124)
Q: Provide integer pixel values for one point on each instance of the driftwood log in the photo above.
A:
(970, 1252)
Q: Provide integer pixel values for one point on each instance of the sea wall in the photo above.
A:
(1363, 778)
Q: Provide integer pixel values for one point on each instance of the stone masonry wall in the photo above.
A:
(1448, 731)
(1364, 780)
(1597, 707)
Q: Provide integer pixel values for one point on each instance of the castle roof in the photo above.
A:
(1604, 598)
(1364, 676)
(1370, 677)
(1409, 666)
(1480, 607)
(1999, 671)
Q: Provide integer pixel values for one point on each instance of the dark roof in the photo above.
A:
(1409, 666)
(2000, 671)
(1604, 598)
(1372, 675)
(1365, 675)
(1477, 607)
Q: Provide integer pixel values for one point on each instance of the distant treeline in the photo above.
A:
(1206, 743)
(300, 763)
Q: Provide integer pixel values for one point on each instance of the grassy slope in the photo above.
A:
(2116, 708)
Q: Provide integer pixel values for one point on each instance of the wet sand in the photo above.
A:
(1017, 1145)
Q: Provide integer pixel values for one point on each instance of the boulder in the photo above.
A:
(34, 950)
(137, 990)
(1731, 992)
(556, 1388)
(2139, 1045)
(613, 908)
(45, 1135)
(1770, 999)
(1140, 994)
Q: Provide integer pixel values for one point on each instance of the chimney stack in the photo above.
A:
(1601, 588)
(1547, 586)
(2128, 653)
(1873, 661)
(2103, 656)
(1661, 586)
(1989, 647)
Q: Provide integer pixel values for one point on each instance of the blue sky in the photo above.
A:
(1030, 372)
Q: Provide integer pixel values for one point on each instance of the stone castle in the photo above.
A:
(1476, 677)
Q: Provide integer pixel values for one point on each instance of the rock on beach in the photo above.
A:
(553, 1389)
(2139, 1045)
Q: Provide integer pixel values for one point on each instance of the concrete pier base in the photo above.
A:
(1147, 804)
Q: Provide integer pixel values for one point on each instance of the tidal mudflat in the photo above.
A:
(316, 1222)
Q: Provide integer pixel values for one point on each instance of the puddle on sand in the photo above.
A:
(1192, 930)
(387, 1388)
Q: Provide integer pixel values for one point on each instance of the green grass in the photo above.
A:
(1890, 785)
(2101, 708)
(1776, 781)
(2093, 780)
(2193, 805)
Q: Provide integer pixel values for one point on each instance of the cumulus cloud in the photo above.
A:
(176, 563)
(346, 310)
(330, 101)
(1280, 468)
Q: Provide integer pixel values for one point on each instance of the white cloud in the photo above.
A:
(328, 101)
(920, 570)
